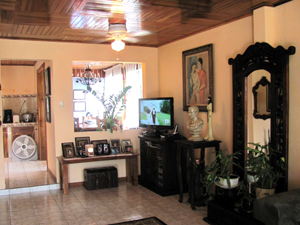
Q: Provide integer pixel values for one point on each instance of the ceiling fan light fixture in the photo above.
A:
(118, 44)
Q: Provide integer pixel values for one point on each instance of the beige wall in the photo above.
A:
(61, 128)
(228, 41)
(17, 80)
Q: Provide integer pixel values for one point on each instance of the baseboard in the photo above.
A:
(52, 175)
(79, 184)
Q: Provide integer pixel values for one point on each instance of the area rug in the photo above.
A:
(146, 221)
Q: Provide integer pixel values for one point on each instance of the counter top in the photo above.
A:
(19, 124)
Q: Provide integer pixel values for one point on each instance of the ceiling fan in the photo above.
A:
(117, 31)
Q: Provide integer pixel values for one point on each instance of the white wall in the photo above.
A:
(61, 128)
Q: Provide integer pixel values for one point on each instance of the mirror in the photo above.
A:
(261, 93)
(258, 117)
(261, 57)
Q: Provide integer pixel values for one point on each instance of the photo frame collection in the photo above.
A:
(83, 146)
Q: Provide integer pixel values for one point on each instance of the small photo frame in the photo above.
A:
(80, 143)
(98, 149)
(128, 149)
(106, 149)
(124, 143)
(47, 82)
(97, 144)
(89, 150)
(79, 94)
(115, 150)
(68, 149)
(114, 143)
(79, 106)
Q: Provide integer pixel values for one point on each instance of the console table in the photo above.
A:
(190, 146)
(131, 167)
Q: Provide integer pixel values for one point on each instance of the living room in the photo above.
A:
(163, 78)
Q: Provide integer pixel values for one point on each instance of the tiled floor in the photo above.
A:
(26, 174)
(104, 206)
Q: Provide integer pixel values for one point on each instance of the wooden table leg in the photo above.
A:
(192, 177)
(65, 178)
(60, 175)
(128, 170)
(134, 170)
(179, 172)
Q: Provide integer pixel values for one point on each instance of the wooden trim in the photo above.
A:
(51, 174)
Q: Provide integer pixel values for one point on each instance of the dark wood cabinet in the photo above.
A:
(159, 165)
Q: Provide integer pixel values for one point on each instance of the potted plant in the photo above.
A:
(219, 172)
(267, 166)
(113, 106)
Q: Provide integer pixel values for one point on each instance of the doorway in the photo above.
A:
(31, 173)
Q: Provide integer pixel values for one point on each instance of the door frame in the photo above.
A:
(41, 113)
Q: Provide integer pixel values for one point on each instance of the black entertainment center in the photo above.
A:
(158, 164)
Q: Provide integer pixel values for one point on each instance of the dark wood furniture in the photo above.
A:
(131, 167)
(262, 56)
(158, 165)
(190, 147)
(223, 213)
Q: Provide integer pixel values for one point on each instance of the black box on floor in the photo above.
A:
(99, 178)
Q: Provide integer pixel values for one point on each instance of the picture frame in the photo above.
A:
(48, 108)
(79, 94)
(80, 143)
(124, 143)
(128, 149)
(97, 145)
(114, 143)
(197, 68)
(89, 150)
(47, 81)
(106, 149)
(98, 149)
(68, 149)
(79, 106)
(115, 150)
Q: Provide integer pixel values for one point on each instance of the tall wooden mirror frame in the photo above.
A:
(262, 56)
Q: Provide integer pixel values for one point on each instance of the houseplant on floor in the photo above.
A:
(267, 166)
(113, 106)
(220, 173)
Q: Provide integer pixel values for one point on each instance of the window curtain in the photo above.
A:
(113, 80)
(134, 79)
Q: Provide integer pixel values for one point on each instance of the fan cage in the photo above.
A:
(23, 147)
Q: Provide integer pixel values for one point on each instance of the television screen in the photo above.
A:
(156, 112)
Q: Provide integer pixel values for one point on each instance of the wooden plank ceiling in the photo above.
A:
(148, 22)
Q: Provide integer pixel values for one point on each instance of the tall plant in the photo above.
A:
(113, 106)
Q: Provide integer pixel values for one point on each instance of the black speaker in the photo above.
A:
(8, 116)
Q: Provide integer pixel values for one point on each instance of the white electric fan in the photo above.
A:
(24, 148)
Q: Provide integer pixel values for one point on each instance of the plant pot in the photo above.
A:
(251, 178)
(234, 181)
(263, 192)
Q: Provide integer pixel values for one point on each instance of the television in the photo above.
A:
(156, 114)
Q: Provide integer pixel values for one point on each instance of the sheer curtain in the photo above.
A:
(133, 78)
(113, 80)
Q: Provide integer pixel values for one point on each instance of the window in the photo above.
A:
(113, 79)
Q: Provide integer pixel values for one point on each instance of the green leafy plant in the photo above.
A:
(266, 164)
(113, 106)
(220, 168)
